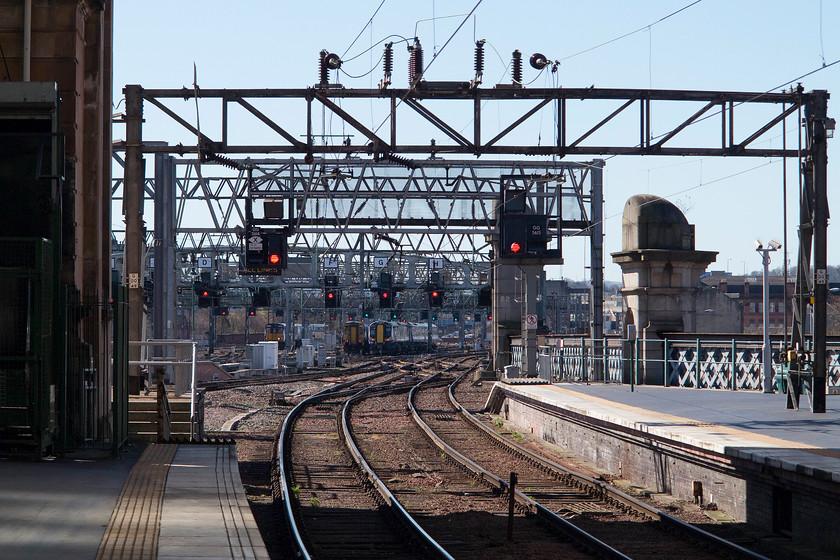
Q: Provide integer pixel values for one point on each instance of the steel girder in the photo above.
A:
(440, 208)
(287, 115)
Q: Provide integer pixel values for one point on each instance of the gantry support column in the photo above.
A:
(135, 239)
(820, 151)
(507, 313)
(813, 233)
(163, 307)
(596, 272)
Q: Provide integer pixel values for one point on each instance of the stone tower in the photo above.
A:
(661, 272)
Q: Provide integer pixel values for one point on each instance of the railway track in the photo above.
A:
(575, 504)
(363, 367)
(331, 510)
(468, 518)
(363, 480)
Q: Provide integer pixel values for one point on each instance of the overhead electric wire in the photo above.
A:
(367, 50)
(771, 90)
(673, 194)
(375, 66)
(434, 56)
(363, 28)
(411, 88)
(648, 26)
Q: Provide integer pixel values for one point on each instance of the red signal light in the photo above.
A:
(515, 247)
(205, 293)
(434, 294)
(385, 294)
(274, 258)
(330, 295)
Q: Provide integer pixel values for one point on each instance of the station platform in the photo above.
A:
(775, 468)
(746, 424)
(158, 501)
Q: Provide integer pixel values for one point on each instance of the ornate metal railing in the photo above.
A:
(705, 364)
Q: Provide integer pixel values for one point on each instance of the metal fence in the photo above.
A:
(705, 364)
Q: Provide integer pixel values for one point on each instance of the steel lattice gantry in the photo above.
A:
(587, 122)
(441, 208)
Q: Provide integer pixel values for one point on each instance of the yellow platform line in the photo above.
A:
(132, 533)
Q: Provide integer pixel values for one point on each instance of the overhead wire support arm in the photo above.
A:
(458, 144)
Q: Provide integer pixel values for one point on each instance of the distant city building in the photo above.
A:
(613, 313)
(566, 308)
(747, 291)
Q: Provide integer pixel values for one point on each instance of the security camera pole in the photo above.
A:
(766, 352)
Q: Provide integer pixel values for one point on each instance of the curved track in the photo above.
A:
(627, 526)
(332, 510)
(366, 474)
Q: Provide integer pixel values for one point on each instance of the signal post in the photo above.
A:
(523, 250)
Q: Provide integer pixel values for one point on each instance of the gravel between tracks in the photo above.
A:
(255, 422)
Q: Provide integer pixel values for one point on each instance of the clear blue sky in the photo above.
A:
(738, 45)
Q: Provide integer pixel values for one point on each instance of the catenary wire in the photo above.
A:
(363, 28)
(648, 26)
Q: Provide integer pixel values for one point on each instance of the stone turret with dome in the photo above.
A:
(661, 271)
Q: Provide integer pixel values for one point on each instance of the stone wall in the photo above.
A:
(743, 488)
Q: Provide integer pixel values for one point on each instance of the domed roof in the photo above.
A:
(651, 222)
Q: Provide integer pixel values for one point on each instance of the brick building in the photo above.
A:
(748, 292)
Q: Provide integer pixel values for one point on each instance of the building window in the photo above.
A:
(752, 307)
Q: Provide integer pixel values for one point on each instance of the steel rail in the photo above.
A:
(284, 456)
(567, 528)
(393, 503)
(609, 492)
(284, 453)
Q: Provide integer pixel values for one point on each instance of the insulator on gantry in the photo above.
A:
(415, 62)
(387, 65)
(389, 58)
(538, 61)
(479, 61)
(327, 61)
(323, 71)
(516, 67)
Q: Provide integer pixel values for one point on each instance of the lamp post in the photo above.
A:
(766, 355)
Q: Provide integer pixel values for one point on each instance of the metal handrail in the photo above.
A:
(164, 362)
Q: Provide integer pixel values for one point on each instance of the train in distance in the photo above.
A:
(386, 337)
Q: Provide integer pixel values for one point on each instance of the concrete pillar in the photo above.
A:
(507, 312)
(531, 281)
